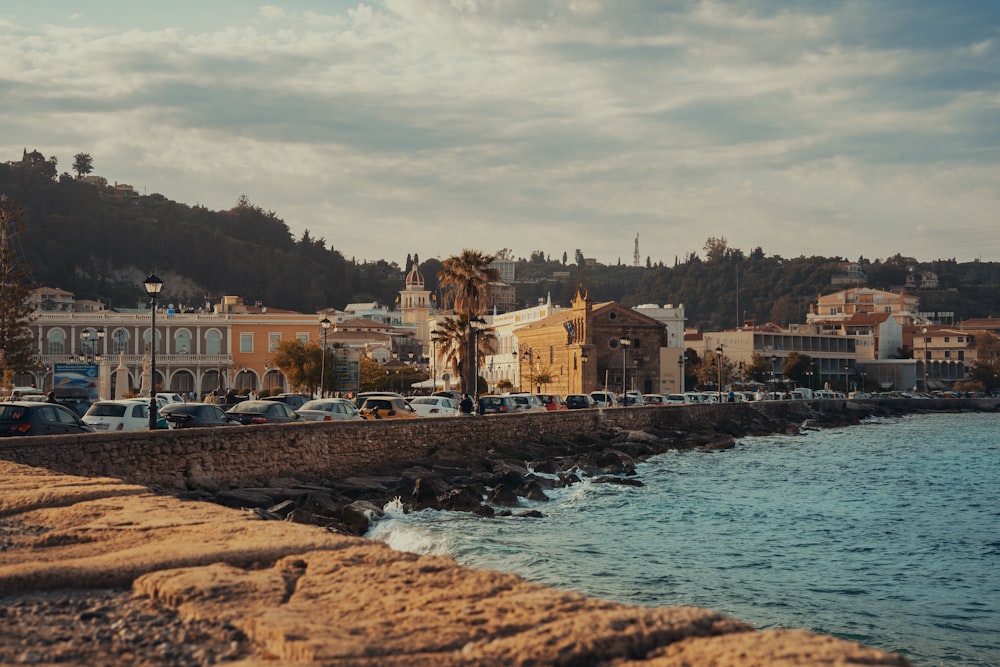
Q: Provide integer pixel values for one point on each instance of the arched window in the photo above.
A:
(119, 341)
(57, 341)
(213, 341)
(182, 342)
(146, 338)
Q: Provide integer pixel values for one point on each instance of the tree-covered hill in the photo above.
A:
(100, 245)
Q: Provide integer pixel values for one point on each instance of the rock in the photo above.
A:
(484, 511)
(460, 500)
(621, 481)
(504, 496)
(545, 467)
(358, 515)
(532, 490)
(426, 493)
(239, 498)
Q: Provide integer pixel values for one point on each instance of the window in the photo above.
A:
(947, 339)
(961, 339)
(57, 342)
(246, 343)
(272, 341)
(119, 341)
(302, 337)
(947, 354)
(182, 342)
(213, 342)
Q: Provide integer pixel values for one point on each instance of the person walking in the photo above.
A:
(467, 406)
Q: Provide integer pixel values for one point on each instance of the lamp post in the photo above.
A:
(435, 337)
(475, 327)
(809, 374)
(847, 378)
(774, 373)
(526, 354)
(624, 341)
(325, 325)
(718, 362)
(680, 372)
(153, 286)
(926, 339)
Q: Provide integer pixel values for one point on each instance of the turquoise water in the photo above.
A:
(887, 533)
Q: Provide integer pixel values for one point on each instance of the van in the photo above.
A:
(604, 399)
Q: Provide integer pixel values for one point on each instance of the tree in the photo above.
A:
(302, 365)
(985, 369)
(794, 367)
(82, 164)
(716, 248)
(467, 278)
(17, 352)
(454, 342)
(760, 369)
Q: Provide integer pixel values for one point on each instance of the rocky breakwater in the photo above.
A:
(99, 571)
(495, 477)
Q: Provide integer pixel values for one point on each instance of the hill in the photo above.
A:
(100, 242)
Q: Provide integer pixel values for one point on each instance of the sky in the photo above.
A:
(813, 127)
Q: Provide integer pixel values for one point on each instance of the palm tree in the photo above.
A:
(467, 278)
(453, 335)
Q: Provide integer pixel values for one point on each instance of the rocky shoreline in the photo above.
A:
(99, 571)
(494, 481)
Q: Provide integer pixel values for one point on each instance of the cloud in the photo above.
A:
(812, 128)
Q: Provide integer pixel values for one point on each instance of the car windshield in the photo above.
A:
(106, 410)
(251, 408)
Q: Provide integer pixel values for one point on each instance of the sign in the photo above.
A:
(346, 370)
(76, 381)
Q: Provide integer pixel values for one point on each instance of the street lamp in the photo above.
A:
(624, 341)
(680, 372)
(435, 337)
(476, 325)
(153, 286)
(847, 378)
(718, 362)
(774, 373)
(529, 355)
(325, 325)
(926, 339)
(809, 374)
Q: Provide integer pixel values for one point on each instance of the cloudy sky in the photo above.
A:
(427, 126)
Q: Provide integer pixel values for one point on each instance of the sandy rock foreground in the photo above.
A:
(102, 572)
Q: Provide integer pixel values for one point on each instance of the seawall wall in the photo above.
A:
(241, 456)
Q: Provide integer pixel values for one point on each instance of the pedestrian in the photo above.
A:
(51, 397)
(467, 406)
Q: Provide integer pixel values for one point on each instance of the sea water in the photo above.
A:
(885, 533)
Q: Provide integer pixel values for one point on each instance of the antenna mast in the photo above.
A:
(635, 255)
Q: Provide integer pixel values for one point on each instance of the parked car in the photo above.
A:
(450, 393)
(631, 398)
(654, 399)
(20, 418)
(328, 410)
(387, 407)
(262, 412)
(196, 415)
(528, 402)
(170, 397)
(496, 405)
(675, 399)
(294, 400)
(434, 406)
(552, 401)
(579, 401)
(360, 399)
(604, 399)
(130, 414)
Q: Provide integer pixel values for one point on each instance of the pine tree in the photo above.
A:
(17, 353)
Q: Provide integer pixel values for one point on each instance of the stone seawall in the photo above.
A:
(244, 456)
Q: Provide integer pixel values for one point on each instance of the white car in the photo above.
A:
(434, 406)
(130, 414)
(528, 402)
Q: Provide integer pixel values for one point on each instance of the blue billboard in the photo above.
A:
(76, 381)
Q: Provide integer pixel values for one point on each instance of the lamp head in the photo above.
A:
(325, 322)
(153, 285)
